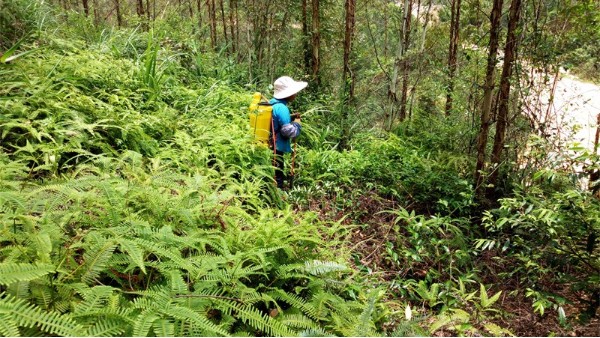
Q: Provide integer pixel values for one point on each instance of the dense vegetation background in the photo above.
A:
(430, 197)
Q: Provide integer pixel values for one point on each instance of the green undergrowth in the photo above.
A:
(134, 202)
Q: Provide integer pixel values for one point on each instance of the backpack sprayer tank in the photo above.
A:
(261, 113)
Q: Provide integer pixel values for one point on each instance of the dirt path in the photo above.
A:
(577, 104)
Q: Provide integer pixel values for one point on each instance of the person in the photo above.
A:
(285, 125)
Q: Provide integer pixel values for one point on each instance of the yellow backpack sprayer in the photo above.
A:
(261, 118)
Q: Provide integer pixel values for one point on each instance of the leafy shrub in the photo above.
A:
(393, 168)
(547, 237)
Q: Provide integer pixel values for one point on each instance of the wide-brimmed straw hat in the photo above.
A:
(285, 86)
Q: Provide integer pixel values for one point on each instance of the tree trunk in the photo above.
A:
(316, 40)
(486, 107)
(231, 26)
(148, 11)
(190, 9)
(398, 65)
(139, 8)
(452, 51)
(425, 24)
(385, 31)
(503, 99)
(224, 22)
(96, 12)
(210, 6)
(119, 16)
(595, 173)
(305, 39)
(237, 25)
(347, 74)
(405, 61)
(86, 7)
(199, 10)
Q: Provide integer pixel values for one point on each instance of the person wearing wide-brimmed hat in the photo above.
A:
(285, 125)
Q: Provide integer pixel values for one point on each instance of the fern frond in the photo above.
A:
(363, 328)
(164, 328)
(96, 259)
(42, 295)
(178, 285)
(12, 200)
(93, 298)
(106, 327)
(188, 315)
(257, 320)
(134, 251)
(172, 253)
(299, 321)
(21, 272)
(317, 267)
(27, 315)
(143, 323)
(8, 327)
(296, 302)
(19, 289)
(315, 333)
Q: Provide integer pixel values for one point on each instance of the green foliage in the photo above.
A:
(393, 169)
(134, 203)
(547, 235)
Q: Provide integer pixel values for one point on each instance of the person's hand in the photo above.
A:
(296, 117)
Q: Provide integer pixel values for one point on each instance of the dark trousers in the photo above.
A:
(279, 169)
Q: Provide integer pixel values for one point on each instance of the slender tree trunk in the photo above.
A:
(595, 173)
(393, 86)
(119, 16)
(486, 107)
(148, 11)
(231, 26)
(305, 39)
(96, 12)
(405, 61)
(347, 75)
(425, 25)
(139, 8)
(190, 8)
(316, 40)
(385, 30)
(503, 100)
(237, 25)
(199, 10)
(86, 7)
(224, 22)
(452, 52)
(210, 6)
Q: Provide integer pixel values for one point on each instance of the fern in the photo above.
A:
(21, 272)
(93, 298)
(96, 259)
(106, 327)
(8, 327)
(189, 316)
(299, 321)
(27, 315)
(297, 302)
(134, 251)
(257, 320)
(164, 328)
(320, 268)
(143, 323)
(363, 328)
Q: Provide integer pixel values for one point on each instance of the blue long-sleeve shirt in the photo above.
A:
(281, 116)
